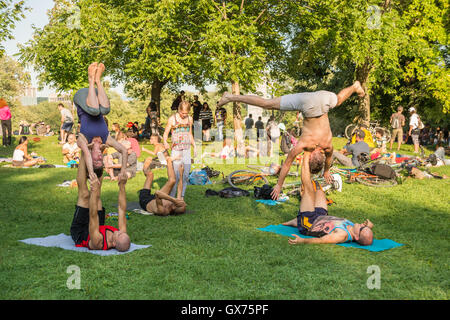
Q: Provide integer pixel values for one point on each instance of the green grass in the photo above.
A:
(216, 252)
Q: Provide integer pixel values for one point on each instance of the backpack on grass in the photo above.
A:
(384, 171)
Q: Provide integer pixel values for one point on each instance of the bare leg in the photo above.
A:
(345, 93)
(320, 199)
(83, 192)
(171, 177)
(292, 223)
(252, 100)
(92, 99)
(102, 97)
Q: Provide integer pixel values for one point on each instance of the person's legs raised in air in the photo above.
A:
(345, 93)
(270, 104)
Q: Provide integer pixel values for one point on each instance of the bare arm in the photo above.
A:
(338, 236)
(285, 169)
(96, 238)
(164, 196)
(119, 147)
(122, 206)
(166, 133)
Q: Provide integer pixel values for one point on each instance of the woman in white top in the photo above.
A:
(21, 158)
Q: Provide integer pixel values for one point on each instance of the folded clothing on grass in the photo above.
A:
(376, 246)
(65, 242)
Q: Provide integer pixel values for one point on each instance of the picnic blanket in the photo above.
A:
(376, 246)
(65, 242)
(271, 202)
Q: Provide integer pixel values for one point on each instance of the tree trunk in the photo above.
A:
(237, 120)
(362, 75)
(157, 86)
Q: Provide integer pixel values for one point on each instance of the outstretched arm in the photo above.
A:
(285, 169)
(83, 144)
(328, 162)
(166, 133)
(334, 237)
(96, 238)
(122, 206)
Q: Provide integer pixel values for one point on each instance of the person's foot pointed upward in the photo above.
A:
(100, 70)
(92, 70)
(359, 89)
(224, 100)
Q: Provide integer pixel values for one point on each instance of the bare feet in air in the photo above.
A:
(359, 89)
(92, 71)
(225, 99)
(100, 70)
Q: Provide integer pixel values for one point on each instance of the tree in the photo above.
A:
(10, 13)
(237, 43)
(13, 79)
(380, 43)
(148, 42)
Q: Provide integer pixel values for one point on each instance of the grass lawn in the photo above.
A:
(216, 252)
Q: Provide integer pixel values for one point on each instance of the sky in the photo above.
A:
(23, 32)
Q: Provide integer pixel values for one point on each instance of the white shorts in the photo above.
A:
(310, 104)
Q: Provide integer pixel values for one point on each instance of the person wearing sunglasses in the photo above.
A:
(313, 219)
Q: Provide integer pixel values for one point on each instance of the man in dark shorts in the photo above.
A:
(161, 203)
(313, 218)
(88, 226)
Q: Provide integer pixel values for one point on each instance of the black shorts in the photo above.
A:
(307, 218)
(145, 196)
(79, 230)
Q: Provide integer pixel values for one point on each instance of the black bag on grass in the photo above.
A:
(384, 171)
(263, 192)
(233, 192)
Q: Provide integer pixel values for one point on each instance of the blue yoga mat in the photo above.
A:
(65, 242)
(376, 246)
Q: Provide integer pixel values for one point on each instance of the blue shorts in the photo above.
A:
(306, 219)
(67, 126)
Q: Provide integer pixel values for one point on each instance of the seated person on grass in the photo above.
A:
(160, 160)
(228, 151)
(355, 149)
(114, 167)
(92, 104)
(70, 149)
(88, 229)
(161, 203)
(21, 158)
(380, 141)
(313, 218)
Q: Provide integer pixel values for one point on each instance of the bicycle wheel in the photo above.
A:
(241, 178)
(386, 133)
(349, 130)
(374, 181)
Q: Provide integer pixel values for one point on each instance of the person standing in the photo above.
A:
(197, 107)
(220, 118)
(180, 126)
(415, 125)
(5, 117)
(259, 125)
(206, 117)
(397, 122)
(273, 134)
(249, 122)
(66, 122)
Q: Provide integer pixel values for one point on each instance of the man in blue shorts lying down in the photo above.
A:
(316, 133)
(313, 218)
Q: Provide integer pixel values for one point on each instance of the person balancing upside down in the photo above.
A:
(316, 134)
(313, 218)
(92, 104)
(88, 226)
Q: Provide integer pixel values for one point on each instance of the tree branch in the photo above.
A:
(218, 8)
(242, 7)
(259, 16)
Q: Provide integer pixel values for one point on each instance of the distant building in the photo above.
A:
(29, 97)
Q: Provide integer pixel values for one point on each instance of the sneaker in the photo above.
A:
(337, 182)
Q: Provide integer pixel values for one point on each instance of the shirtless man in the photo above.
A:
(161, 203)
(313, 218)
(316, 134)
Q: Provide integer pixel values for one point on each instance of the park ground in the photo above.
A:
(216, 251)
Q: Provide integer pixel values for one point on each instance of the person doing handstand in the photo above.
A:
(316, 134)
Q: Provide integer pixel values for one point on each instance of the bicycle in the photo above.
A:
(373, 127)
